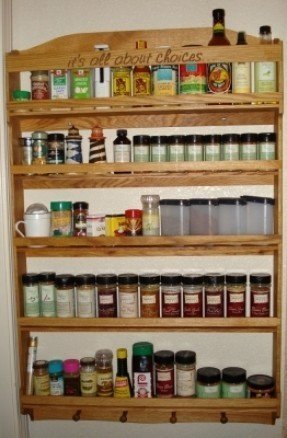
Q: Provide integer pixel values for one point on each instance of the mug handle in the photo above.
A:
(17, 228)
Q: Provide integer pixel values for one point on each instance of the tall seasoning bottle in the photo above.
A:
(265, 80)
(104, 367)
(141, 75)
(122, 388)
(241, 71)
(219, 73)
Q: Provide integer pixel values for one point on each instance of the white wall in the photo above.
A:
(34, 22)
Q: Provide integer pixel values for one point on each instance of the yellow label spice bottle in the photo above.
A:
(122, 388)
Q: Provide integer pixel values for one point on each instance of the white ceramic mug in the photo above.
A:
(35, 225)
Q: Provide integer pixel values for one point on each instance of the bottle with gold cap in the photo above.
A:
(141, 75)
(122, 387)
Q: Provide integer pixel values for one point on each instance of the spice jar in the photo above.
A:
(260, 291)
(235, 295)
(30, 284)
(212, 147)
(141, 148)
(176, 148)
(40, 85)
(128, 295)
(158, 148)
(97, 153)
(164, 373)
(171, 295)
(39, 139)
(194, 147)
(164, 80)
(104, 368)
(214, 295)
(150, 215)
(142, 369)
(230, 147)
(248, 146)
(65, 304)
(72, 377)
(85, 293)
(80, 213)
(185, 373)
(56, 377)
(47, 294)
(233, 384)
(56, 149)
(208, 383)
(73, 146)
(88, 377)
(107, 295)
(267, 146)
(149, 295)
(41, 380)
(192, 288)
(133, 222)
(61, 218)
(26, 144)
(260, 386)
(121, 81)
(122, 147)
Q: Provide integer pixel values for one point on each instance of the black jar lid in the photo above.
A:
(38, 364)
(47, 276)
(230, 138)
(87, 361)
(149, 278)
(141, 139)
(258, 199)
(159, 139)
(122, 132)
(231, 201)
(176, 139)
(171, 279)
(194, 138)
(85, 279)
(185, 357)
(267, 136)
(259, 278)
(106, 279)
(29, 278)
(164, 357)
(260, 381)
(265, 30)
(208, 375)
(214, 279)
(234, 375)
(81, 205)
(55, 136)
(128, 279)
(192, 279)
(249, 137)
(235, 278)
(203, 201)
(181, 202)
(64, 280)
(212, 138)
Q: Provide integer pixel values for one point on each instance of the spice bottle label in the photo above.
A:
(141, 84)
(185, 382)
(31, 301)
(48, 304)
(56, 386)
(86, 303)
(142, 385)
(42, 385)
(164, 383)
(128, 305)
(219, 77)
(105, 384)
(122, 389)
(88, 383)
(65, 303)
(260, 305)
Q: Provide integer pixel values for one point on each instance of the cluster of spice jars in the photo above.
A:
(68, 218)
(147, 295)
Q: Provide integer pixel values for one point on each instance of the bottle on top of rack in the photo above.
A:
(122, 388)
(219, 73)
(141, 75)
(265, 79)
(241, 71)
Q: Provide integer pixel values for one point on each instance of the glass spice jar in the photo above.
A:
(233, 382)
(107, 295)
(56, 377)
(208, 383)
(176, 147)
(212, 147)
(171, 295)
(104, 368)
(248, 146)
(47, 293)
(267, 146)
(40, 85)
(142, 369)
(149, 295)
(128, 295)
(260, 386)
(150, 215)
(141, 148)
(85, 293)
(122, 147)
(65, 304)
(214, 295)
(72, 377)
(260, 291)
(235, 295)
(229, 147)
(185, 373)
(41, 381)
(80, 213)
(88, 377)
(26, 144)
(158, 148)
(194, 147)
(30, 284)
(164, 373)
(192, 289)
(39, 145)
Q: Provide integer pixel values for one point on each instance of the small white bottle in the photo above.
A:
(102, 76)
(265, 78)
(241, 71)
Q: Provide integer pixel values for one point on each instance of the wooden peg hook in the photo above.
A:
(77, 415)
(124, 417)
(173, 418)
(223, 418)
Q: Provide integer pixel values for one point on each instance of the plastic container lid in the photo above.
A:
(258, 199)
(164, 357)
(171, 279)
(214, 279)
(185, 357)
(181, 202)
(265, 30)
(29, 278)
(141, 140)
(55, 366)
(106, 279)
(36, 209)
(40, 364)
(71, 366)
(122, 132)
(61, 205)
(85, 361)
(234, 375)
(80, 205)
(149, 278)
(260, 381)
(231, 201)
(203, 201)
(39, 135)
(208, 375)
(47, 276)
(142, 349)
(64, 280)
(236, 278)
(260, 278)
(192, 279)
(85, 279)
(128, 279)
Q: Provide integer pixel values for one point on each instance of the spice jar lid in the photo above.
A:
(47, 276)
(29, 278)
(193, 138)
(128, 279)
(64, 280)
(181, 202)
(236, 278)
(164, 357)
(267, 136)
(85, 279)
(214, 279)
(185, 357)
(40, 364)
(141, 139)
(60, 205)
(142, 349)
(260, 278)
(230, 138)
(234, 375)
(105, 279)
(260, 381)
(248, 137)
(192, 279)
(176, 139)
(258, 199)
(86, 361)
(159, 139)
(80, 205)
(208, 375)
(55, 366)
(55, 136)
(21, 95)
(122, 132)
(149, 278)
(71, 366)
(133, 213)
(39, 135)
(171, 279)
(213, 138)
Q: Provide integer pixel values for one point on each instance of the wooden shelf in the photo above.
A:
(152, 410)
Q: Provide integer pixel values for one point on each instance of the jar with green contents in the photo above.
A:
(248, 146)
(158, 148)
(267, 146)
(176, 148)
(141, 148)
(61, 218)
(194, 147)
(233, 383)
(212, 147)
(208, 383)
(230, 147)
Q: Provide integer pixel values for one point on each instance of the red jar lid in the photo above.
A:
(133, 213)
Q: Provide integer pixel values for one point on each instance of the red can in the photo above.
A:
(133, 222)
(192, 78)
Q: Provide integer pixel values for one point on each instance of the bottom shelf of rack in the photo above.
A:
(176, 410)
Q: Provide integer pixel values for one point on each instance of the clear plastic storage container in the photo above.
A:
(175, 217)
(231, 216)
(259, 215)
(203, 216)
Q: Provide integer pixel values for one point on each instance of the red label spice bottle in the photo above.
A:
(260, 288)
(235, 295)
(107, 295)
(214, 295)
(164, 373)
(192, 287)
(171, 295)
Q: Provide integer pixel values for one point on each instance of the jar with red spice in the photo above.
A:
(164, 373)
(133, 222)
(149, 295)
(235, 295)
(214, 295)
(192, 288)
(171, 295)
(260, 291)
(40, 85)
(107, 295)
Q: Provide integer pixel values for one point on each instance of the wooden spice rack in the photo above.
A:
(134, 112)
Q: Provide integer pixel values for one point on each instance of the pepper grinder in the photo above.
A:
(74, 146)
(97, 146)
